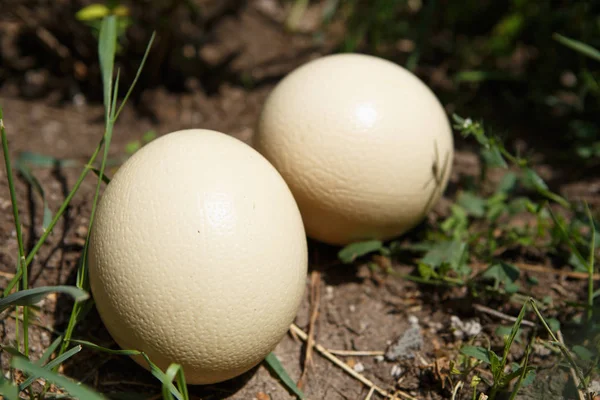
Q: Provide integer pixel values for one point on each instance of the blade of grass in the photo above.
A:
(31, 296)
(524, 372)
(513, 333)
(275, 366)
(561, 346)
(137, 75)
(591, 267)
(21, 248)
(107, 43)
(107, 46)
(48, 352)
(175, 371)
(158, 374)
(578, 46)
(56, 362)
(55, 220)
(34, 183)
(77, 390)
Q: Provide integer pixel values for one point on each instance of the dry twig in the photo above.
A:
(357, 353)
(315, 298)
(501, 315)
(323, 351)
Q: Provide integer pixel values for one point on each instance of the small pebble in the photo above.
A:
(359, 367)
(396, 372)
(329, 292)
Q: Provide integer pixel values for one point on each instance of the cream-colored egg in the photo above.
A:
(364, 145)
(198, 255)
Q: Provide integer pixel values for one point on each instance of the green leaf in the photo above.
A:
(92, 12)
(578, 46)
(77, 390)
(477, 352)
(149, 136)
(502, 272)
(493, 158)
(554, 324)
(532, 180)
(445, 252)
(31, 296)
(474, 205)
(504, 332)
(496, 364)
(41, 160)
(351, 252)
(275, 366)
(8, 389)
(482, 76)
(507, 183)
(133, 146)
(54, 363)
(583, 353)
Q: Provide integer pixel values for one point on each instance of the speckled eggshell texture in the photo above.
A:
(364, 145)
(198, 255)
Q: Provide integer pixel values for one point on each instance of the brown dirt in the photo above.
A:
(358, 309)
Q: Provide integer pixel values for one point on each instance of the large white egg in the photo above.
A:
(364, 145)
(198, 255)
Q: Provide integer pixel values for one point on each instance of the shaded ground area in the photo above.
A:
(244, 52)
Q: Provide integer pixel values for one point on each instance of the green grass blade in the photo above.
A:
(107, 46)
(117, 352)
(77, 390)
(275, 366)
(54, 363)
(561, 346)
(513, 333)
(22, 268)
(578, 46)
(137, 75)
(31, 296)
(55, 220)
(100, 175)
(34, 183)
(106, 52)
(175, 371)
(158, 374)
(48, 352)
(591, 266)
(170, 374)
(525, 370)
(8, 389)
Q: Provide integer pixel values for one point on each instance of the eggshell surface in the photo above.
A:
(198, 255)
(364, 145)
